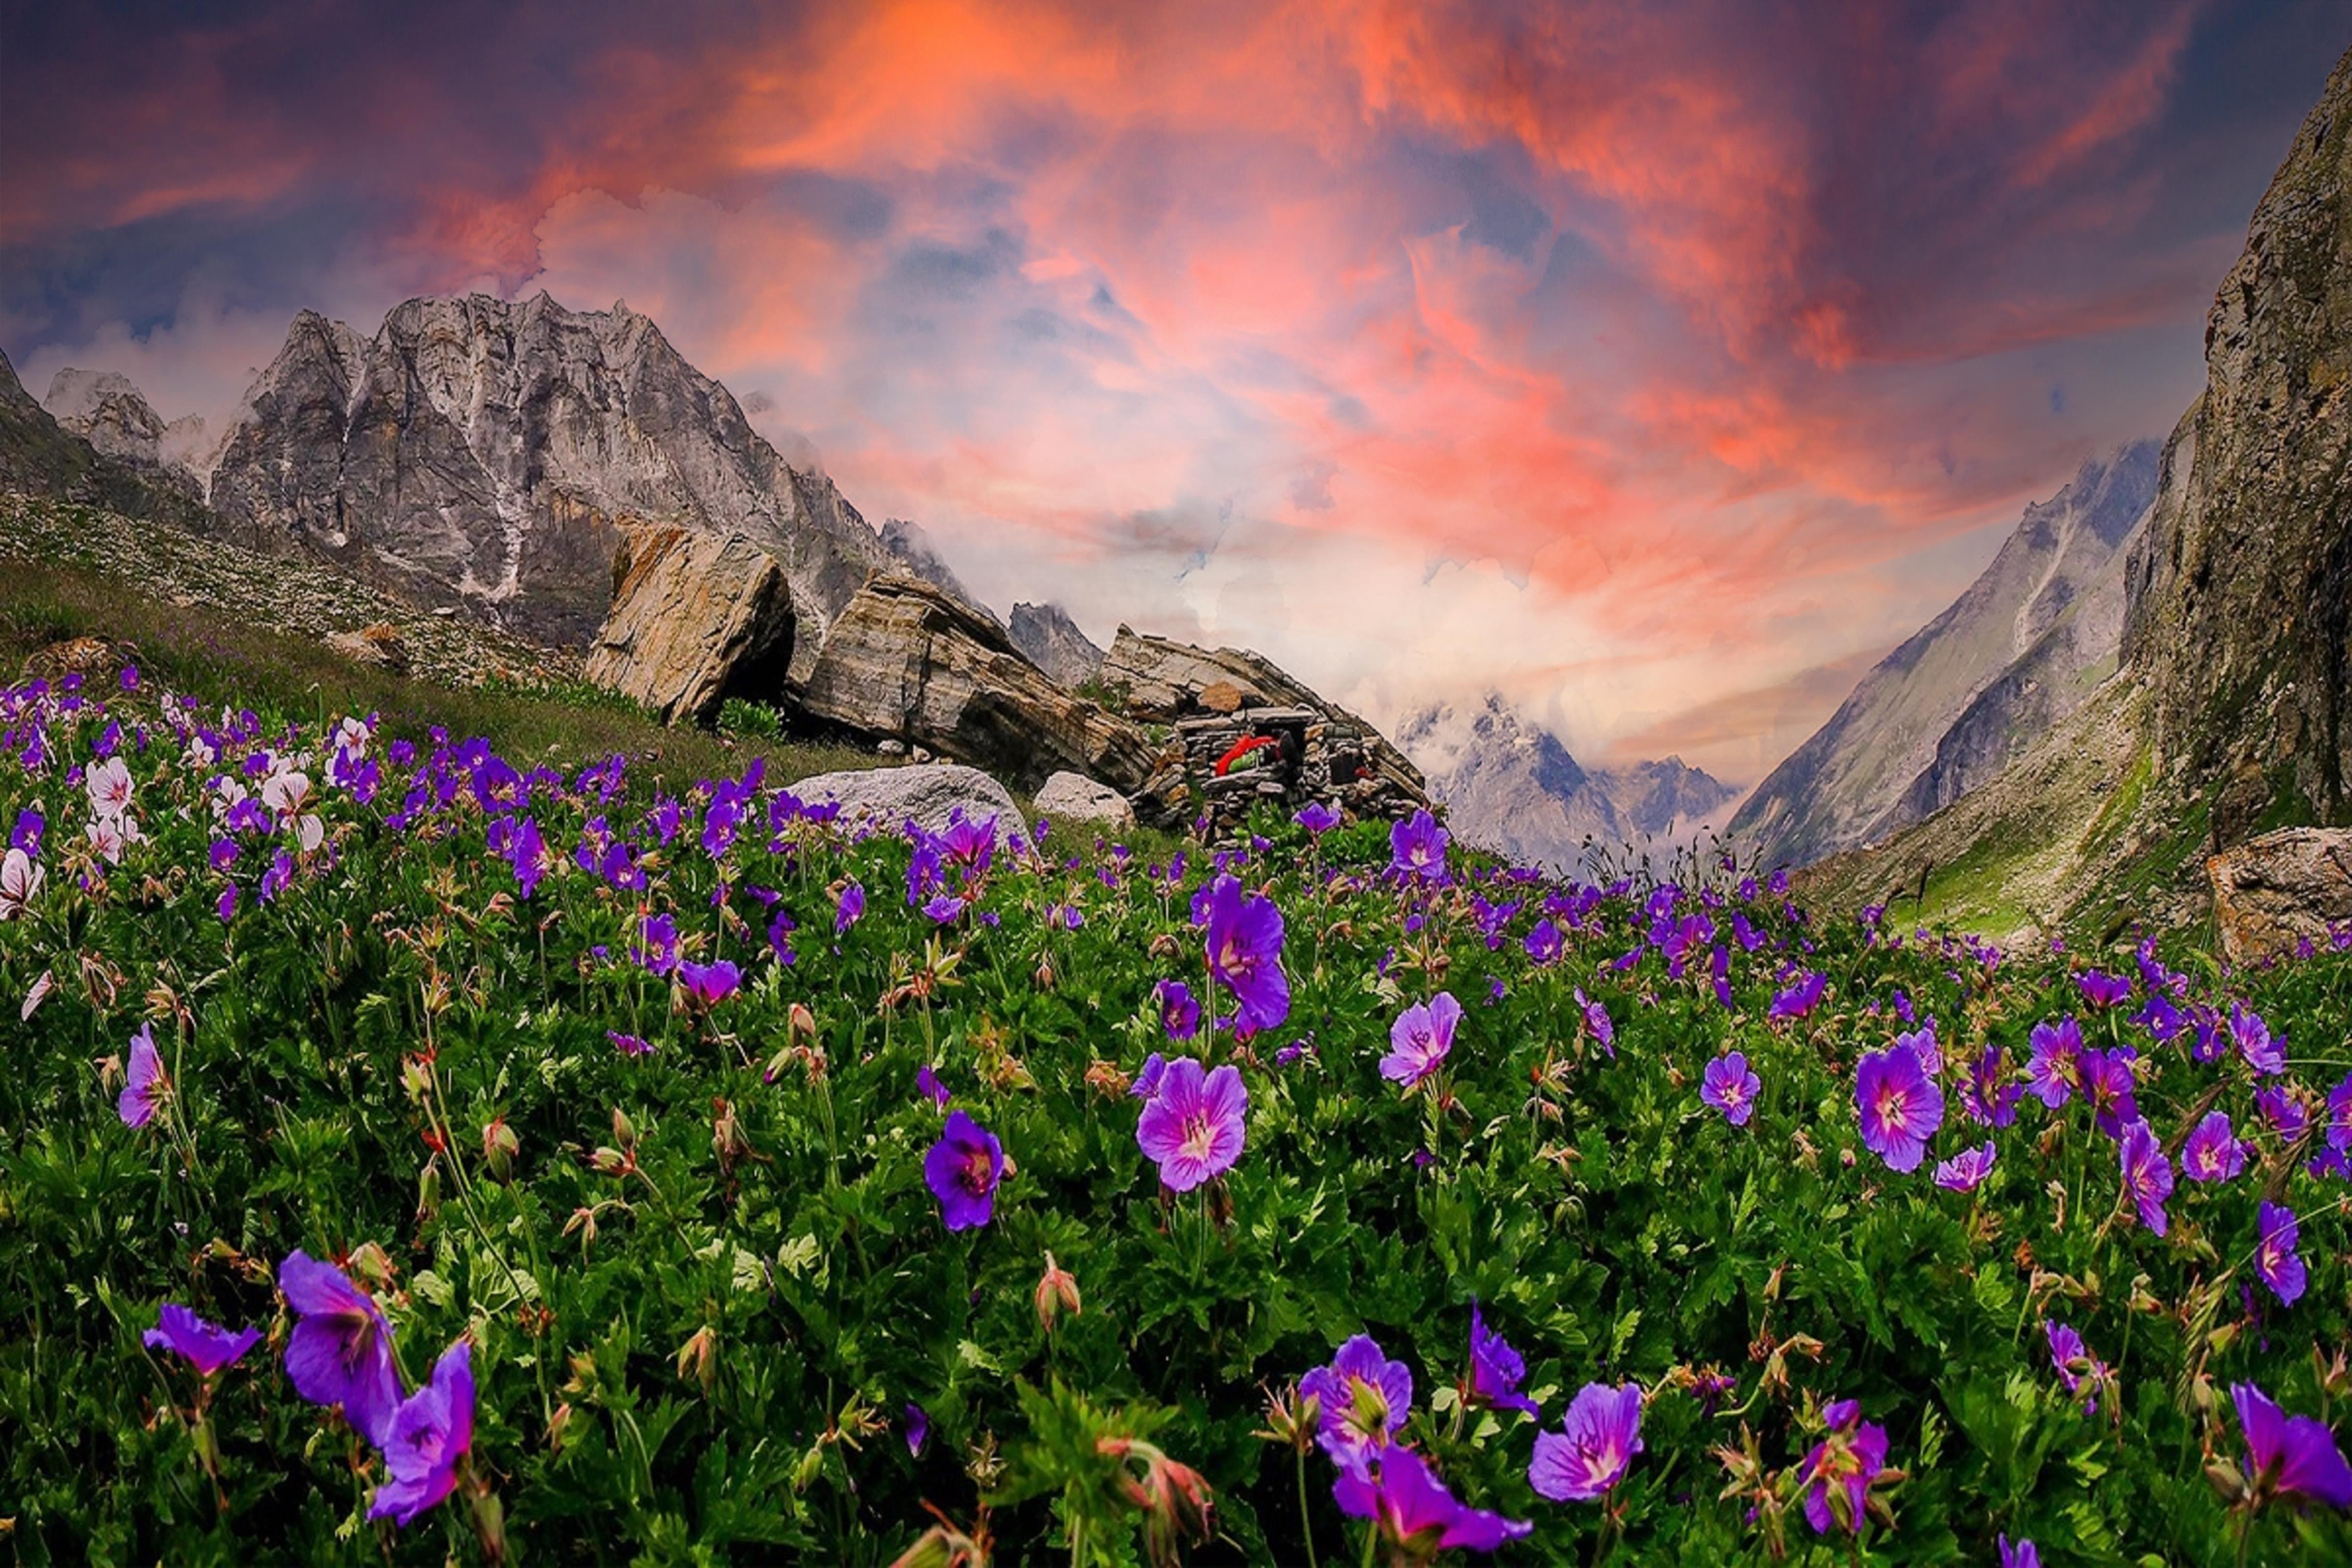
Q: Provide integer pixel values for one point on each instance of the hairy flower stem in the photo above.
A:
(1306, 1519)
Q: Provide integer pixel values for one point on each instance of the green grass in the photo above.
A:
(218, 660)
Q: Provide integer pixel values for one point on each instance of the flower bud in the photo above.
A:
(416, 1076)
(698, 1357)
(1045, 976)
(429, 1192)
(371, 1265)
(556, 1425)
(609, 1161)
(801, 1021)
(1165, 946)
(2228, 1483)
(1058, 1292)
(500, 1146)
(624, 1132)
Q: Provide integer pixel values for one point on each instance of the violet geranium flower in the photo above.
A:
(1900, 1107)
(1412, 1510)
(1597, 1441)
(1194, 1124)
(1179, 1012)
(431, 1433)
(1837, 1470)
(2276, 1260)
(2018, 1554)
(143, 1082)
(1420, 1039)
(1417, 847)
(341, 1350)
(2290, 1456)
(2147, 1174)
(2212, 1153)
(1729, 1085)
(1965, 1171)
(1495, 1369)
(1244, 952)
(962, 1170)
(1363, 1397)
(205, 1346)
(2052, 1072)
(708, 984)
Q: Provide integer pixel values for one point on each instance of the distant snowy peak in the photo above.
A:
(1511, 786)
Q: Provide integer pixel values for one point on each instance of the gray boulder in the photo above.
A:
(2272, 893)
(695, 618)
(925, 793)
(1073, 797)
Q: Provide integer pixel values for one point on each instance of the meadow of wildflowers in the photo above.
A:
(411, 1152)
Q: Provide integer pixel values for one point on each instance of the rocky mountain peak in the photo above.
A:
(1054, 643)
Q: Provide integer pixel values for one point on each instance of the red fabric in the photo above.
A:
(1242, 748)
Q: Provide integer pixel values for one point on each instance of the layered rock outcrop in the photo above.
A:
(904, 659)
(697, 618)
(2274, 893)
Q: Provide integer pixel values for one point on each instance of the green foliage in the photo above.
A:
(705, 1284)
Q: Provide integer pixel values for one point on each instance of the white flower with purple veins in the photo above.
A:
(109, 784)
(109, 835)
(286, 794)
(20, 883)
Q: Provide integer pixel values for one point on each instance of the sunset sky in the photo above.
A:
(1660, 366)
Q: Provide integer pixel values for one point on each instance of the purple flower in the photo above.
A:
(1922, 1043)
(1837, 1472)
(1245, 951)
(1420, 1039)
(708, 984)
(1730, 1086)
(928, 1083)
(2287, 1113)
(2108, 1079)
(1316, 819)
(1180, 1011)
(1543, 943)
(2212, 1153)
(1900, 1107)
(2339, 1114)
(2290, 1456)
(1417, 847)
(628, 1045)
(2276, 1260)
(2252, 1036)
(2052, 1073)
(1986, 1093)
(2101, 990)
(341, 1350)
(1967, 1170)
(1148, 1077)
(1596, 1018)
(205, 1346)
(657, 947)
(431, 1432)
(1597, 1441)
(2147, 1175)
(962, 1169)
(528, 855)
(918, 1428)
(1413, 1510)
(2022, 1554)
(848, 908)
(1495, 1369)
(1364, 1397)
(1194, 1122)
(1800, 996)
(143, 1083)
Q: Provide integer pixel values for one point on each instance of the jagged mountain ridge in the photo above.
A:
(2017, 651)
(1511, 786)
(1053, 642)
(485, 453)
(39, 456)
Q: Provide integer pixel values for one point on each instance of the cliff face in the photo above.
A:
(2228, 714)
(39, 456)
(2017, 651)
(486, 454)
(2241, 591)
(1054, 643)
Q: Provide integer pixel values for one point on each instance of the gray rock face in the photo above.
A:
(39, 457)
(904, 659)
(1054, 644)
(2273, 893)
(910, 549)
(926, 793)
(2241, 596)
(2022, 648)
(1512, 787)
(1071, 797)
(696, 617)
(485, 453)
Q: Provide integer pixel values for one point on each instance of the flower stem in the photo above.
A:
(1306, 1520)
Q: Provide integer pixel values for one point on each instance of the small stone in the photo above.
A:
(1074, 798)
(920, 755)
(890, 748)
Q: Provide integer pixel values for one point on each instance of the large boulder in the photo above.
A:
(696, 617)
(925, 793)
(905, 659)
(1071, 797)
(2273, 893)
